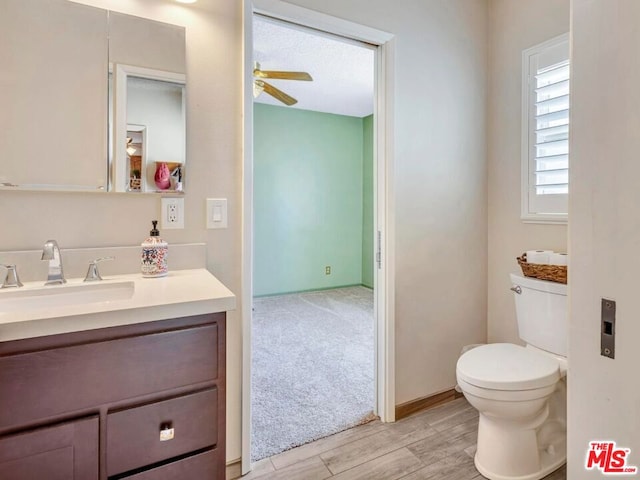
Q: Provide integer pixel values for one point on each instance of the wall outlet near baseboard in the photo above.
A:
(327, 270)
(172, 213)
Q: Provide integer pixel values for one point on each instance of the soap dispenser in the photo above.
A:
(154, 254)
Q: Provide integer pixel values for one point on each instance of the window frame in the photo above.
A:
(528, 161)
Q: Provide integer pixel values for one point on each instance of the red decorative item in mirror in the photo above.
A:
(162, 176)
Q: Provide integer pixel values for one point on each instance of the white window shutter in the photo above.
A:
(545, 158)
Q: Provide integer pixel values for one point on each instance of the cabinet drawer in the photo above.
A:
(104, 372)
(205, 466)
(134, 435)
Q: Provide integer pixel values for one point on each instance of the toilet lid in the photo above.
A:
(504, 366)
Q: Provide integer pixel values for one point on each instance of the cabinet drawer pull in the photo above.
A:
(167, 432)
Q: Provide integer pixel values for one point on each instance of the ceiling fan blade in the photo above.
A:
(276, 93)
(280, 75)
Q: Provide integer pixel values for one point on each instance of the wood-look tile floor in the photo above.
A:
(436, 444)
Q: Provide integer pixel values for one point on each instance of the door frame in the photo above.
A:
(384, 228)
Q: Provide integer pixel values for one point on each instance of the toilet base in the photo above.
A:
(508, 451)
(546, 470)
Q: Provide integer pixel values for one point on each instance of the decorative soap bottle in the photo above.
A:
(154, 254)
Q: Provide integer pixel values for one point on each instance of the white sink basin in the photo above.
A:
(37, 298)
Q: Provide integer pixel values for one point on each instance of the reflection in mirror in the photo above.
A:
(136, 155)
(149, 130)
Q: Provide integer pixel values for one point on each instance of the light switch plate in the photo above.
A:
(216, 213)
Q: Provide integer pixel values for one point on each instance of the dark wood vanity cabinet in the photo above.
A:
(143, 401)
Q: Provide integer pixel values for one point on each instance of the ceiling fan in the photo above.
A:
(259, 85)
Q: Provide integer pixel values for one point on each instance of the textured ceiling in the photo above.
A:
(342, 71)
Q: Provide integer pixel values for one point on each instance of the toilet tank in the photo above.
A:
(541, 309)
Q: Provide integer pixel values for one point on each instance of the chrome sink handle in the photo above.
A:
(11, 278)
(93, 275)
(517, 289)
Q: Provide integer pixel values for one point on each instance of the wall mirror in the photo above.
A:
(60, 119)
(147, 65)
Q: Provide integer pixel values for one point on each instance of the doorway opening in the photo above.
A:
(383, 224)
(313, 355)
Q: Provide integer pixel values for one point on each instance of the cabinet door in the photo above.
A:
(53, 91)
(67, 451)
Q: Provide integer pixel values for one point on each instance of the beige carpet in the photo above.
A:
(312, 367)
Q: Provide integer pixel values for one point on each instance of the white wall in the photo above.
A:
(513, 27)
(604, 205)
(213, 39)
(440, 158)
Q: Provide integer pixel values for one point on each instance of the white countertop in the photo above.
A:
(179, 294)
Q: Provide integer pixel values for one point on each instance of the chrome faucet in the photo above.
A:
(51, 252)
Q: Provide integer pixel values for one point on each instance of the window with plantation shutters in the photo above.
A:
(545, 131)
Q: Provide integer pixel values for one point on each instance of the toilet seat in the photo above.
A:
(507, 367)
(508, 396)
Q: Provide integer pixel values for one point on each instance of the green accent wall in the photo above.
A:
(308, 200)
(367, 202)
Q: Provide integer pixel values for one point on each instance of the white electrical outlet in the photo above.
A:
(172, 213)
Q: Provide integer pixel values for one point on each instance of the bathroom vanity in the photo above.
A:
(132, 387)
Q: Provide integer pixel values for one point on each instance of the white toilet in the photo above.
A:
(520, 392)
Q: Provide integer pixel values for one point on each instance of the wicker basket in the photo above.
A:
(552, 273)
